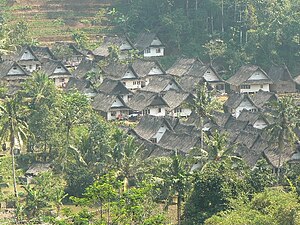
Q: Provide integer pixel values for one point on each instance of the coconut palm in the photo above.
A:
(285, 117)
(14, 128)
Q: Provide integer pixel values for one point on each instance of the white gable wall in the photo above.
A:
(154, 51)
(209, 75)
(15, 71)
(61, 82)
(260, 124)
(160, 133)
(245, 104)
(125, 46)
(117, 103)
(258, 75)
(156, 71)
(171, 85)
(154, 111)
(128, 74)
(27, 56)
(156, 41)
(59, 69)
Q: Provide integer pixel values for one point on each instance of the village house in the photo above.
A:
(148, 103)
(178, 102)
(149, 45)
(43, 52)
(56, 71)
(256, 119)
(122, 44)
(81, 85)
(11, 73)
(26, 58)
(262, 98)
(115, 87)
(237, 102)
(111, 107)
(191, 83)
(283, 81)
(161, 83)
(250, 79)
(182, 65)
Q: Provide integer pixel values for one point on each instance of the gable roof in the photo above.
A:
(159, 83)
(84, 67)
(143, 67)
(16, 56)
(235, 99)
(103, 49)
(82, 85)
(113, 87)
(144, 99)
(244, 73)
(178, 142)
(116, 70)
(103, 102)
(261, 98)
(182, 66)
(144, 40)
(149, 125)
(176, 98)
(6, 66)
(49, 67)
(43, 52)
(252, 117)
(280, 73)
(188, 83)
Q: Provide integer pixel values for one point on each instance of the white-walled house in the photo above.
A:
(12, 73)
(148, 103)
(111, 107)
(149, 45)
(161, 83)
(237, 102)
(256, 119)
(250, 79)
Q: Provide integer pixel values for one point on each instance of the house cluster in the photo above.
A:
(141, 88)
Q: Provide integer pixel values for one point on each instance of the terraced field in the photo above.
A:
(56, 20)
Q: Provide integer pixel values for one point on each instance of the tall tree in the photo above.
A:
(14, 128)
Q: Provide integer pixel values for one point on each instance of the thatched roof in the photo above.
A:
(235, 99)
(149, 125)
(108, 42)
(280, 73)
(113, 87)
(7, 66)
(43, 52)
(176, 98)
(244, 73)
(261, 98)
(182, 66)
(161, 83)
(144, 99)
(252, 117)
(49, 67)
(143, 67)
(38, 168)
(103, 102)
(84, 67)
(144, 41)
(178, 142)
(189, 83)
(82, 85)
(273, 155)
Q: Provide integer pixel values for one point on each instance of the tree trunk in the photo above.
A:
(179, 209)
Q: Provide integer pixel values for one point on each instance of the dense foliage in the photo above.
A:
(229, 32)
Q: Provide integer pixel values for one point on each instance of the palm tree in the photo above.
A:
(285, 115)
(14, 128)
(203, 105)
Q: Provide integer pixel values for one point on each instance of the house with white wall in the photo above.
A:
(149, 45)
(250, 79)
(148, 103)
(11, 73)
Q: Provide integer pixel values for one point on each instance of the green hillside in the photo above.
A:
(56, 20)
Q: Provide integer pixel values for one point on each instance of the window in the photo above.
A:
(158, 50)
(113, 113)
(153, 140)
(159, 110)
(61, 80)
(124, 82)
(15, 68)
(146, 111)
(59, 67)
(177, 110)
(245, 86)
(261, 86)
(147, 50)
(252, 110)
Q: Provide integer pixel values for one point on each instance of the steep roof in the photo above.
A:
(261, 98)
(182, 66)
(244, 73)
(144, 40)
(50, 66)
(252, 117)
(176, 98)
(43, 52)
(234, 124)
(143, 67)
(189, 83)
(103, 49)
(7, 66)
(113, 87)
(17, 56)
(144, 99)
(82, 85)
(84, 67)
(115, 70)
(180, 142)
(149, 125)
(160, 83)
(280, 73)
(273, 155)
(235, 99)
(103, 102)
